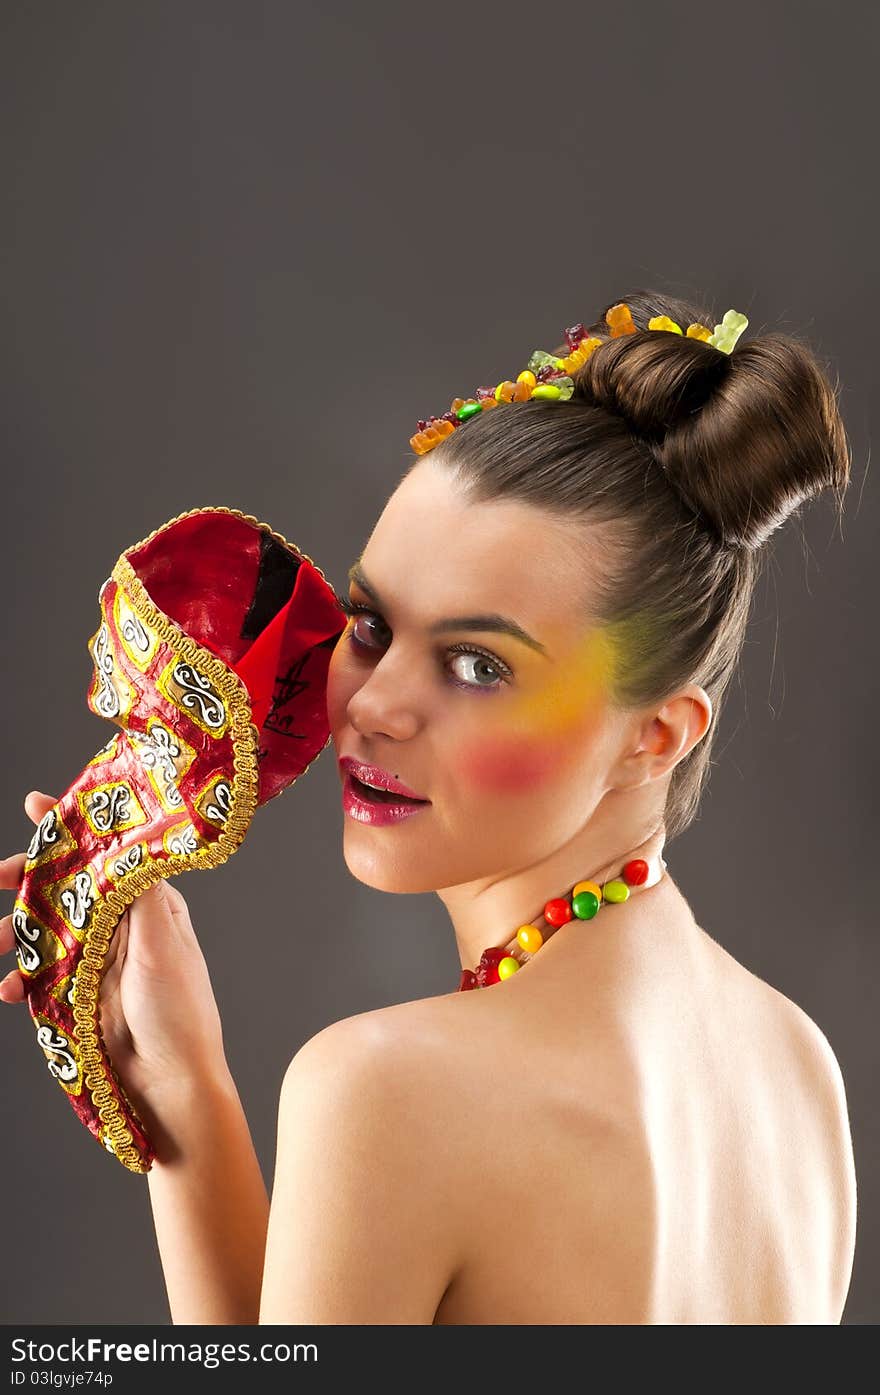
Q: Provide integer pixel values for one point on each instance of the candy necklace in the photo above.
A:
(583, 902)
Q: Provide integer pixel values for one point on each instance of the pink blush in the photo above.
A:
(510, 766)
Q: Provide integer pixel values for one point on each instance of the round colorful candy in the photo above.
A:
(635, 873)
(587, 886)
(507, 967)
(616, 890)
(557, 912)
(585, 904)
(529, 938)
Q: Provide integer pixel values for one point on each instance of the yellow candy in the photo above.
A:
(547, 391)
(507, 967)
(529, 938)
(726, 334)
(616, 890)
(580, 355)
(588, 886)
(526, 376)
(698, 331)
(664, 322)
(504, 391)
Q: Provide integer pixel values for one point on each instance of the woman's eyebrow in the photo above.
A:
(498, 624)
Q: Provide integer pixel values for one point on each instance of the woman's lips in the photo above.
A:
(376, 778)
(368, 806)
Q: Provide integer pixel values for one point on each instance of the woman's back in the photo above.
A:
(658, 1137)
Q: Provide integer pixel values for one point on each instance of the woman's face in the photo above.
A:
(510, 741)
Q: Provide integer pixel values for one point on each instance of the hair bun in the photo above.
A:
(744, 438)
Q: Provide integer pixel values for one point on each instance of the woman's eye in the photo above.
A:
(358, 613)
(478, 669)
(475, 667)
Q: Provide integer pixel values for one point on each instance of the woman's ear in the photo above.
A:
(659, 739)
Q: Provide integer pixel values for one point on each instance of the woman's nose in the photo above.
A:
(384, 703)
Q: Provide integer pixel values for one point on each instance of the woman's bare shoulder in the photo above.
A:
(805, 1038)
(782, 1015)
(814, 1087)
(409, 1040)
(418, 1065)
(365, 1134)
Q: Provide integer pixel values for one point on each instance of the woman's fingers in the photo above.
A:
(11, 870)
(36, 804)
(12, 988)
(7, 935)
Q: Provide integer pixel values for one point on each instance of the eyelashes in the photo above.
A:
(354, 609)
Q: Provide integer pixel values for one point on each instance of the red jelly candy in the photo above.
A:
(487, 969)
(468, 980)
(635, 873)
(487, 974)
(493, 955)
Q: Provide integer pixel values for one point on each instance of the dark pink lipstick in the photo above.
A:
(372, 795)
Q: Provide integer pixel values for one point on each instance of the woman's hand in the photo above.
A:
(159, 1017)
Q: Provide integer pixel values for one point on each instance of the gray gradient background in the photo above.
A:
(232, 231)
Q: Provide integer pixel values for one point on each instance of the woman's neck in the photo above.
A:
(491, 910)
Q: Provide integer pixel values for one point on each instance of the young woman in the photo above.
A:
(629, 1126)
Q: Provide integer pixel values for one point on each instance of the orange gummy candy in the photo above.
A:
(422, 441)
(620, 320)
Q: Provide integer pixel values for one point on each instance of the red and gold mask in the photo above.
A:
(211, 657)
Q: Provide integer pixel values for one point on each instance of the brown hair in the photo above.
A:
(691, 458)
